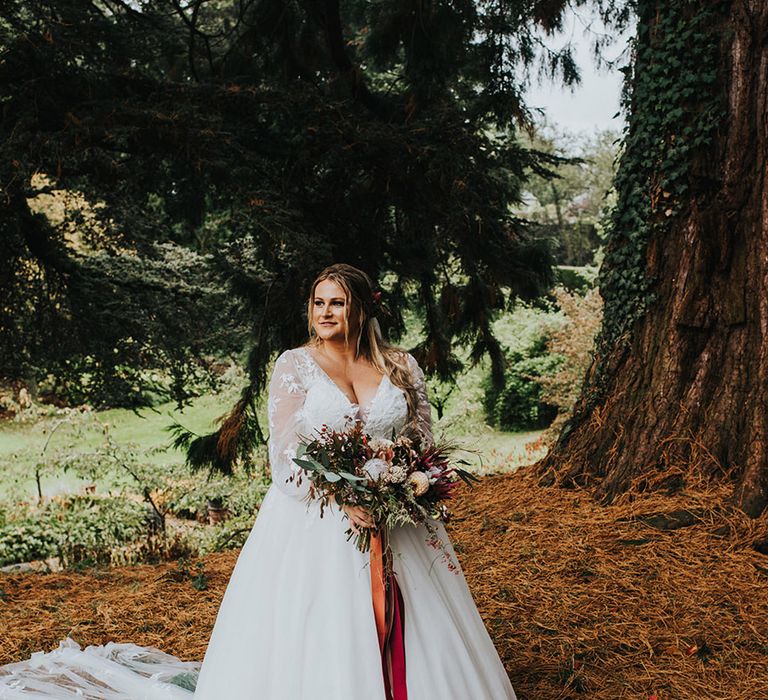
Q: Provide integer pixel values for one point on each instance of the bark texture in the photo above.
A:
(691, 386)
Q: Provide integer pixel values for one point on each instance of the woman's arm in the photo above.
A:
(285, 411)
(424, 409)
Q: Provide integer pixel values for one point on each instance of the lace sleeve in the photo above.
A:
(285, 411)
(424, 409)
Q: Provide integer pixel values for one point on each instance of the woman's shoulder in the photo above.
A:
(292, 353)
(405, 358)
(291, 359)
(290, 369)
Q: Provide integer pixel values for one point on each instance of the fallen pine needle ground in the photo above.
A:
(582, 600)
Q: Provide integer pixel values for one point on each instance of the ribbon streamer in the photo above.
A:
(389, 612)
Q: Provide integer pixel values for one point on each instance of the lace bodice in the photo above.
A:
(303, 398)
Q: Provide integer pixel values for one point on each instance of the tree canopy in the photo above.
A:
(229, 150)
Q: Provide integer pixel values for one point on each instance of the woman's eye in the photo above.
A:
(338, 303)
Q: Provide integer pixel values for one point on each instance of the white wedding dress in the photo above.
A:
(296, 621)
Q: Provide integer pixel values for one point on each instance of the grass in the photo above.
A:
(145, 429)
(24, 444)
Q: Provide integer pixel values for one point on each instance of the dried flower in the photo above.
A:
(380, 444)
(375, 468)
(396, 474)
(419, 482)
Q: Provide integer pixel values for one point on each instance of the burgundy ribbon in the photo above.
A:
(397, 646)
(389, 611)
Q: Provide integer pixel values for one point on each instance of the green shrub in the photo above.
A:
(241, 494)
(90, 381)
(519, 405)
(76, 529)
(548, 348)
(86, 380)
(230, 534)
(26, 541)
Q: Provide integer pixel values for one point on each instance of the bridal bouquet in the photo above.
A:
(394, 479)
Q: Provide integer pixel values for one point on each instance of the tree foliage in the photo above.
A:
(235, 148)
(572, 207)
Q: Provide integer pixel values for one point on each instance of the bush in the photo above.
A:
(548, 349)
(76, 529)
(230, 534)
(90, 381)
(572, 339)
(241, 494)
(26, 541)
(519, 404)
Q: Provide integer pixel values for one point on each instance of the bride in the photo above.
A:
(296, 621)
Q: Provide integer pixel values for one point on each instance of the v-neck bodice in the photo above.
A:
(303, 398)
(362, 410)
(327, 404)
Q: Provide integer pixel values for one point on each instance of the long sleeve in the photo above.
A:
(285, 411)
(424, 409)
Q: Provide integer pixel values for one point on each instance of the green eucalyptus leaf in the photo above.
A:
(308, 464)
(352, 477)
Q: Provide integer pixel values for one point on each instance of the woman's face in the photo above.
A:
(329, 307)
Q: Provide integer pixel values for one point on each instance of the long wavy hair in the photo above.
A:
(360, 312)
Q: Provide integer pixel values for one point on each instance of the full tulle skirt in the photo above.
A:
(297, 623)
(108, 672)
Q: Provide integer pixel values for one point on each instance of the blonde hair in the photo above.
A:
(361, 308)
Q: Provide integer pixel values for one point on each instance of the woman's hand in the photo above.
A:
(359, 517)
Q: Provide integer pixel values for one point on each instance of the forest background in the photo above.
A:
(176, 173)
(147, 261)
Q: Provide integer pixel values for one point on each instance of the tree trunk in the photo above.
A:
(688, 384)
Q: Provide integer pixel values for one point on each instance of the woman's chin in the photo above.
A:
(329, 333)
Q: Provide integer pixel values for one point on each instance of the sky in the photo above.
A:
(592, 104)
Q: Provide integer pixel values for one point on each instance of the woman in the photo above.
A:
(296, 621)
